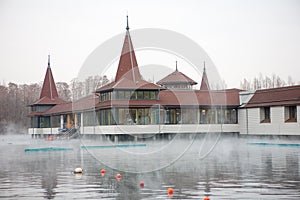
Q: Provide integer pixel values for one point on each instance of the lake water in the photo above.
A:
(225, 167)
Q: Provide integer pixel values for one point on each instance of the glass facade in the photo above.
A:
(128, 116)
(202, 116)
(106, 96)
(106, 117)
(41, 122)
(129, 94)
(218, 116)
(143, 116)
(89, 118)
(55, 121)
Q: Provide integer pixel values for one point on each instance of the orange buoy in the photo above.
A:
(102, 171)
(206, 198)
(118, 176)
(142, 184)
(170, 191)
(50, 138)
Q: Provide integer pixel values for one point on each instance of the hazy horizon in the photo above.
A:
(242, 38)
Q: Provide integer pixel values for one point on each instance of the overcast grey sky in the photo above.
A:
(243, 38)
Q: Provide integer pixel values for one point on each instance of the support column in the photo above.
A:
(61, 121)
(116, 139)
(81, 123)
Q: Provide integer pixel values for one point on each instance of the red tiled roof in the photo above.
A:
(59, 109)
(127, 63)
(125, 83)
(35, 113)
(47, 101)
(201, 98)
(176, 78)
(275, 97)
(85, 103)
(49, 95)
(127, 103)
(49, 88)
(126, 69)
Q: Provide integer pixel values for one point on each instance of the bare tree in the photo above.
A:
(88, 86)
(14, 101)
(64, 91)
(265, 82)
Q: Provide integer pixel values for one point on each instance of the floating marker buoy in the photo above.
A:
(78, 170)
(142, 184)
(50, 138)
(102, 172)
(118, 176)
(206, 198)
(170, 191)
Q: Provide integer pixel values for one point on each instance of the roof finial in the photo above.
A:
(204, 66)
(49, 60)
(127, 28)
(176, 66)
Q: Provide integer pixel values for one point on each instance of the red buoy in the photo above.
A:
(170, 191)
(102, 171)
(142, 184)
(206, 198)
(118, 176)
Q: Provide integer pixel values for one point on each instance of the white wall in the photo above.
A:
(276, 127)
(148, 129)
(43, 130)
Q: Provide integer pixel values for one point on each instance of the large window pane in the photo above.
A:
(128, 94)
(290, 113)
(140, 95)
(146, 95)
(152, 95)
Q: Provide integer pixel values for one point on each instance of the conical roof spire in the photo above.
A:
(49, 89)
(204, 83)
(128, 67)
(128, 74)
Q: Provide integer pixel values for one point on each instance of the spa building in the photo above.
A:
(131, 105)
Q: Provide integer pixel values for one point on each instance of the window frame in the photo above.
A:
(290, 113)
(265, 114)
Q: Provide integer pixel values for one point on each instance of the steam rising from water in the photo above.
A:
(9, 128)
(233, 170)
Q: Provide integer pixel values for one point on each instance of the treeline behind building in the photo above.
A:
(16, 98)
(266, 82)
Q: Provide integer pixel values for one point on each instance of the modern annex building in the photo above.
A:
(132, 105)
